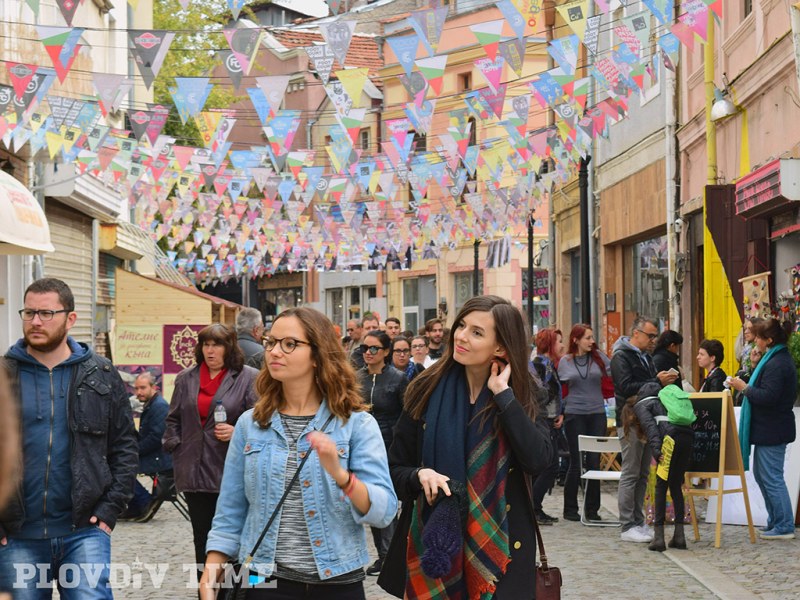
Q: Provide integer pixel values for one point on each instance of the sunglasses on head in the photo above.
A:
(373, 350)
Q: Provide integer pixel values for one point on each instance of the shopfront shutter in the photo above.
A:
(71, 234)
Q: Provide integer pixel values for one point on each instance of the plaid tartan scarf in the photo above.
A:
(457, 431)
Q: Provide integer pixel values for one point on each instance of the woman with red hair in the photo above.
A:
(549, 349)
(582, 370)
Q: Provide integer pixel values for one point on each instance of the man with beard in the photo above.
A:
(79, 455)
(434, 330)
(153, 460)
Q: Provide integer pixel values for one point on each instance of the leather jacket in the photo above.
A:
(384, 392)
(104, 451)
(197, 455)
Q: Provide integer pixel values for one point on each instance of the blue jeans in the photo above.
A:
(768, 472)
(78, 562)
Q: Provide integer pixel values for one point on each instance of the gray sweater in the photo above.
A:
(584, 395)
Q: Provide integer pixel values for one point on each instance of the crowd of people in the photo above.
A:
(286, 443)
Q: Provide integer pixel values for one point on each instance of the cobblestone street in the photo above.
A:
(594, 563)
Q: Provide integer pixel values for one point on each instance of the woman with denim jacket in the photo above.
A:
(317, 545)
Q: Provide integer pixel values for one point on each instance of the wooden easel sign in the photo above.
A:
(716, 453)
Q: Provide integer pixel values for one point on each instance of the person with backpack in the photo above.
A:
(549, 349)
(666, 416)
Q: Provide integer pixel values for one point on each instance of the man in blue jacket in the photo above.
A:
(153, 460)
(79, 455)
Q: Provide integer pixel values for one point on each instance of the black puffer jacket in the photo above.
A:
(104, 451)
(652, 416)
(384, 392)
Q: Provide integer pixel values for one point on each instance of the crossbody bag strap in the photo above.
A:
(274, 514)
(539, 541)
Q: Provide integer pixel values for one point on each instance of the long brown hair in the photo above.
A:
(511, 332)
(334, 375)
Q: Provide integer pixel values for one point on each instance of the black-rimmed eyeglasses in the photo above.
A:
(650, 336)
(402, 351)
(373, 350)
(288, 344)
(28, 314)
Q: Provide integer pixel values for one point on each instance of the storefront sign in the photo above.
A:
(768, 188)
(140, 345)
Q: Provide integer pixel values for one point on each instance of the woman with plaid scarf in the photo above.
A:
(469, 418)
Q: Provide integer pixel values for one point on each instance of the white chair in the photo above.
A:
(602, 445)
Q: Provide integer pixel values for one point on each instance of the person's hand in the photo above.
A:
(223, 432)
(3, 541)
(431, 483)
(665, 377)
(95, 521)
(325, 448)
(737, 383)
(558, 421)
(498, 377)
(207, 587)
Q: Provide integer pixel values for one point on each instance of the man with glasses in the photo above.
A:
(631, 368)
(80, 455)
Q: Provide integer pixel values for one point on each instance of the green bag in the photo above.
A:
(679, 408)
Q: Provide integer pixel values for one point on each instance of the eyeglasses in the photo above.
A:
(373, 350)
(418, 346)
(398, 351)
(28, 314)
(650, 336)
(288, 344)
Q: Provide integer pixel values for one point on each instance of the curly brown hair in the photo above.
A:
(334, 375)
(224, 336)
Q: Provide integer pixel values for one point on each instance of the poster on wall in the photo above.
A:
(755, 295)
(179, 344)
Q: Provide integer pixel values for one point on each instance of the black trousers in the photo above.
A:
(202, 506)
(547, 478)
(575, 425)
(286, 590)
(681, 457)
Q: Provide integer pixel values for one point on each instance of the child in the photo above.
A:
(667, 412)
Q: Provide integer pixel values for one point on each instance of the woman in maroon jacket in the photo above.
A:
(219, 382)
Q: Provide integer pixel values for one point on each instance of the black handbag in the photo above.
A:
(241, 571)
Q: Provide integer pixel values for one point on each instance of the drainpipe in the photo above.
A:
(550, 20)
(593, 311)
(711, 130)
(670, 173)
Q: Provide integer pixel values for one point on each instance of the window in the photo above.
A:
(541, 295)
(364, 139)
(336, 306)
(411, 304)
(464, 82)
(463, 287)
(646, 281)
(748, 7)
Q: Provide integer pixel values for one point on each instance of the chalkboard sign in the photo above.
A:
(707, 434)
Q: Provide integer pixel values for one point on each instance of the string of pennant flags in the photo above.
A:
(226, 211)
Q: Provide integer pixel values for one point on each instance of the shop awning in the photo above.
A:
(23, 226)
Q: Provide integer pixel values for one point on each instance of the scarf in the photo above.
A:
(744, 415)
(460, 441)
(208, 389)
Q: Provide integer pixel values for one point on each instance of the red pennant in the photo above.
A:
(21, 75)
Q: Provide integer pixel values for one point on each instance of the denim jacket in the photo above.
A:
(253, 482)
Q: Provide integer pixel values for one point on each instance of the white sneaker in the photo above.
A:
(634, 534)
(647, 531)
